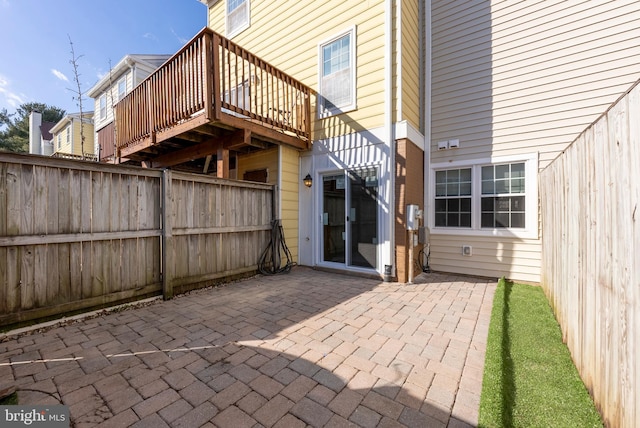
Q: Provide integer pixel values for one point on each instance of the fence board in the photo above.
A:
(590, 256)
(74, 235)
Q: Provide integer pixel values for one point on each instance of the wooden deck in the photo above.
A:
(210, 98)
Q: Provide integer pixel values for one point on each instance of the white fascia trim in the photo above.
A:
(531, 210)
(404, 130)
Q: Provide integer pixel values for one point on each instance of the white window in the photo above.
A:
(68, 135)
(103, 106)
(337, 78)
(492, 197)
(122, 88)
(237, 16)
(59, 141)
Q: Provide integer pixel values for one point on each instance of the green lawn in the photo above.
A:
(529, 377)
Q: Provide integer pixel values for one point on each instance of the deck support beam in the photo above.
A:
(223, 163)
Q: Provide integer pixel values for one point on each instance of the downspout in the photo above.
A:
(388, 123)
(427, 107)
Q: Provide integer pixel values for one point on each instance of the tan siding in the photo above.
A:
(410, 63)
(491, 257)
(259, 160)
(289, 197)
(514, 78)
(287, 35)
(509, 75)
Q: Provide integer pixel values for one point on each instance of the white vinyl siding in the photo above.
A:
(512, 78)
(122, 88)
(103, 106)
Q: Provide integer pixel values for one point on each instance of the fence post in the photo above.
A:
(167, 249)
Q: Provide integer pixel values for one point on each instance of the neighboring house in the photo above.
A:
(40, 138)
(111, 88)
(453, 106)
(67, 137)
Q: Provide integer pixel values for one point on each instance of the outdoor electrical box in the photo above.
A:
(414, 214)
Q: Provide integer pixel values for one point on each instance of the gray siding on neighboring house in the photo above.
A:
(512, 79)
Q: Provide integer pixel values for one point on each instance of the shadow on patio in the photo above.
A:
(305, 348)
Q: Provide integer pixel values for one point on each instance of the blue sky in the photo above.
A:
(35, 53)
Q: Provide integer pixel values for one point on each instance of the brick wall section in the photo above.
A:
(409, 190)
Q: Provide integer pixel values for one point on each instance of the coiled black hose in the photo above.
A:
(271, 259)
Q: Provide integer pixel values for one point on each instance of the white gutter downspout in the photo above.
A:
(427, 113)
(388, 123)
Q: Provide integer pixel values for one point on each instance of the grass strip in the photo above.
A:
(529, 378)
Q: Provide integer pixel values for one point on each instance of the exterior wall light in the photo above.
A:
(308, 181)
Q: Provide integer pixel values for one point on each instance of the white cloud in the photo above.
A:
(182, 40)
(7, 96)
(59, 74)
(150, 36)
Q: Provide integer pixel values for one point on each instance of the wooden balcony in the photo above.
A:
(210, 98)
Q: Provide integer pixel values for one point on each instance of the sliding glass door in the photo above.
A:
(350, 218)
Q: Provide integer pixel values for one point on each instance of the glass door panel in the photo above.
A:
(363, 218)
(333, 218)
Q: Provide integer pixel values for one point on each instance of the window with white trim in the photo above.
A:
(237, 16)
(337, 81)
(122, 88)
(486, 197)
(502, 203)
(103, 106)
(453, 198)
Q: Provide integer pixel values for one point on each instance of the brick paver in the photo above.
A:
(305, 349)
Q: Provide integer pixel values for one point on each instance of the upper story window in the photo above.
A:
(337, 77)
(68, 134)
(237, 16)
(103, 106)
(497, 197)
(122, 88)
(59, 141)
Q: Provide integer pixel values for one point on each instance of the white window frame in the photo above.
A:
(323, 110)
(121, 94)
(242, 8)
(102, 103)
(531, 229)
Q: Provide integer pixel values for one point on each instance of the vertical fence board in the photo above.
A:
(76, 235)
(590, 256)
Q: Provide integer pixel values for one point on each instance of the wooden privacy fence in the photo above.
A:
(79, 235)
(590, 199)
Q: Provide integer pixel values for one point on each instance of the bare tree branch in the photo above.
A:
(77, 93)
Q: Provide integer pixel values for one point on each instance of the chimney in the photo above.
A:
(35, 136)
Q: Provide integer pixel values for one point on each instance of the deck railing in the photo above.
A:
(208, 80)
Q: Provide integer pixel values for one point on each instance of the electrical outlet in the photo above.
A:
(467, 250)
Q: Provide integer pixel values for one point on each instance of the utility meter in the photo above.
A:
(414, 214)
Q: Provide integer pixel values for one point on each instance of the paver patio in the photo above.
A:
(309, 348)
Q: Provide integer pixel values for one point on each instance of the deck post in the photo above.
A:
(214, 72)
(167, 248)
(208, 75)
